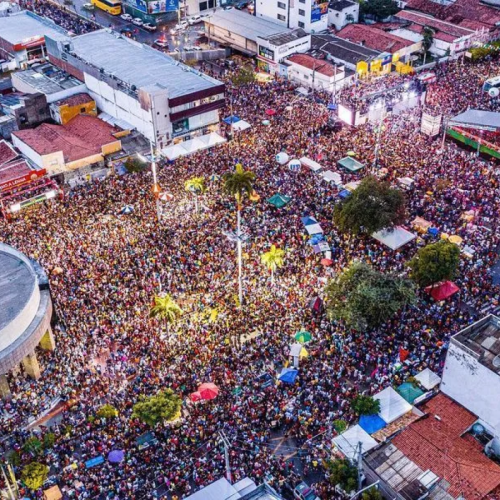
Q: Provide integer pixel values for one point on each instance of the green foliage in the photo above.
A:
(195, 185)
(34, 475)
(166, 309)
(33, 446)
(67, 431)
(162, 407)
(13, 458)
(478, 53)
(48, 440)
(134, 164)
(372, 494)
(274, 258)
(243, 76)
(373, 206)
(435, 262)
(365, 405)
(239, 183)
(343, 473)
(107, 411)
(380, 9)
(340, 426)
(428, 38)
(365, 298)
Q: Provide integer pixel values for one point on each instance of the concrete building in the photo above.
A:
(65, 110)
(25, 314)
(245, 489)
(342, 13)
(194, 7)
(142, 88)
(28, 110)
(22, 38)
(310, 15)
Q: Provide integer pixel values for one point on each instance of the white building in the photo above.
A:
(342, 12)
(310, 15)
(140, 87)
(471, 374)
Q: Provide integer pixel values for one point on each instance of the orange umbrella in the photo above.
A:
(208, 391)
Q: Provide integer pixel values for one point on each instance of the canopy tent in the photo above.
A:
(350, 164)
(311, 164)
(428, 379)
(442, 291)
(394, 238)
(352, 186)
(330, 176)
(477, 119)
(409, 392)
(53, 493)
(288, 375)
(314, 229)
(371, 423)
(241, 125)
(231, 119)
(127, 210)
(392, 405)
(421, 224)
(279, 200)
(308, 220)
(193, 145)
(406, 182)
(348, 442)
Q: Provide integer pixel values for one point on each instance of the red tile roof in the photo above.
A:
(373, 38)
(13, 171)
(75, 100)
(324, 67)
(436, 444)
(440, 26)
(7, 152)
(83, 136)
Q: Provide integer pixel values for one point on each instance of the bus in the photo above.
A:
(492, 83)
(113, 7)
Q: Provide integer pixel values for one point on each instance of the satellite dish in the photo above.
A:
(494, 92)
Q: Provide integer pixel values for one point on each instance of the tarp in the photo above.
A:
(371, 423)
(241, 125)
(392, 405)
(93, 462)
(330, 176)
(409, 392)
(394, 238)
(442, 291)
(279, 200)
(288, 375)
(350, 164)
(314, 229)
(311, 164)
(193, 145)
(349, 440)
(428, 379)
(231, 119)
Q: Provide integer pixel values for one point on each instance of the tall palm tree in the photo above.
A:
(166, 309)
(273, 259)
(196, 186)
(239, 184)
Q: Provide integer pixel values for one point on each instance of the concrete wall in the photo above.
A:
(339, 19)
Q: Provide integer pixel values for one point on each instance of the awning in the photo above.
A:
(392, 405)
(409, 392)
(192, 146)
(348, 442)
(311, 164)
(350, 164)
(116, 122)
(428, 379)
(394, 238)
(241, 125)
(330, 176)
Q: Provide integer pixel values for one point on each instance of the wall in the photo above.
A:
(268, 9)
(304, 76)
(84, 162)
(472, 385)
(339, 19)
(225, 36)
(66, 113)
(28, 152)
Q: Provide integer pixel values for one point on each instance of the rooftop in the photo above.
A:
(7, 152)
(22, 26)
(284, 38)
(82, 137)
(246, 25)
(139, 64)
(75, 100)
(440, 26)
(342, 50)
(318, 65)
(340, 5)
(47, 79)
(12, 171)
(373, 38)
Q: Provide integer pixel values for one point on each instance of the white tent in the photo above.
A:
(392, 405)
(218, 490)
(315, 167)
(394, 238)
(428, 379)
(330, 176)
(349, 440)
(352, 186)
(193, 145)
(173, 152)
(314, 229)
(241, 125)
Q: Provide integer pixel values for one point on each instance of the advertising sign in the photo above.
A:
(156, 6)
(318, 10)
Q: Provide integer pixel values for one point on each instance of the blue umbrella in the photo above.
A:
(127, 209)
(344, 193)
(288, 375)
(231, 119)
(116, 456)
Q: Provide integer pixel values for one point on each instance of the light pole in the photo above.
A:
(380, 105)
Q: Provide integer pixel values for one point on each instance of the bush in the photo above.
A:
(365, 405)
(164, 406)
(34, 475)
(33, 446)
(343, 473)
(107, 411)
(48, 440)
(340, 426)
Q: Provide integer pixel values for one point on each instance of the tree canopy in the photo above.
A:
(435, 262)
(273, 259)
(107, 411)
(243, 76)
(372, 494)
(364, 298)
(162, 407)
(365, 405)
(343, 473)
(166, 309)
(34, 475)
(373, 206)
(239, 183)
(379, 9)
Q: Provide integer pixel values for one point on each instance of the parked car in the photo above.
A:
(137, 21)
(241, 5)
(228, 7)
(149, 26)
(162, 43)
(126, 17)
(127, 31)
(303, 492)
(88, 6)
(194, 20)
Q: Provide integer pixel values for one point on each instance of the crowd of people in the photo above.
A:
(106, 267)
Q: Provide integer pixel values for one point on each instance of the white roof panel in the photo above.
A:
(392, 405)
(348, 441)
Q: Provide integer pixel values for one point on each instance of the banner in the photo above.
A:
(156, 6)
(318, 10)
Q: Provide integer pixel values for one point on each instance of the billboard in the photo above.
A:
(318, 10)
(156, 6)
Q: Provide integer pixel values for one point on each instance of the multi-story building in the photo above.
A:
(140, 87)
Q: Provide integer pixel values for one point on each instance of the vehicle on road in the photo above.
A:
(88, 6)
(129, 32)
(241, 5)
(162, 43)
(137, 21)
(304, 492)
(113, 7)
(149, 26)
(126, 17)
(194, 20)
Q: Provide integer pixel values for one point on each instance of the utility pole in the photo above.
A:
(227, 445)
(7, 483)
(360, 464)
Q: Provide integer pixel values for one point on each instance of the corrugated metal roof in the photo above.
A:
(22, 25)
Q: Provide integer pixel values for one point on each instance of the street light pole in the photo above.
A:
(379, 133)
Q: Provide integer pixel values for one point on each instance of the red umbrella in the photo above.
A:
(327, 262)
(208, 391)
(195, 396)
(270, 112)
(443, 290)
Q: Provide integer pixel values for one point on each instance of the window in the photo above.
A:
(301, 25)
(302, 12)
(83, 110)
(302, 1)
(281, 5)
(281, 17)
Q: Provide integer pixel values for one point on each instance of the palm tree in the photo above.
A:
(196, 186)
(273, 259)
(238, 184)
(165, 309)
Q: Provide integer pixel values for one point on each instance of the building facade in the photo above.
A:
(342, 12)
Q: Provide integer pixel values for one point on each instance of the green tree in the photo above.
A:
(134, 164)
(239, 184)
(340, 426)
(379, 9)
(33, 446)
(48, 440)
(434, 263)
(195, 186)
(165, 406)
(365, 405)
(243, 76)
(343, 473)
(273, 259)
(373, 206)
(372, 494)
(364, 298)
(165, 309)
(13, 458)
(107, 411)
(428, 38)
(34, 475)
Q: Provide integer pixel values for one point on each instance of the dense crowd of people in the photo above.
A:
(105, 268)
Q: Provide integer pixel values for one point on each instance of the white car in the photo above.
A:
(162, 43)
(194, 20)
(137, 21)
(149, 26)
(126, 17)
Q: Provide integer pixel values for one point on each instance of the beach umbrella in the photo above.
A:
(270, 112)
(288, 375)
(351, 153)
(455, 239)
(327, 262)
(266, 122)
(254, 196)
(127, 209)
(303, 336)
(166, 196)
(279, 200)
(214, 177)
(116, 456)
(208, 391)
(195, 396)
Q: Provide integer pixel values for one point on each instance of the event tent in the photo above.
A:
(392, 405)
(193, 145)
(394, 238)
(241, 125)
(409, 392)
(279, 200)
(428, 379)
(371, 423)
(231, 119)
(308, 220)
(311, 164)
(314, 229)
(350, 164)
(288, 375)
(348, 441)
(442, 291)
(330, 176)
